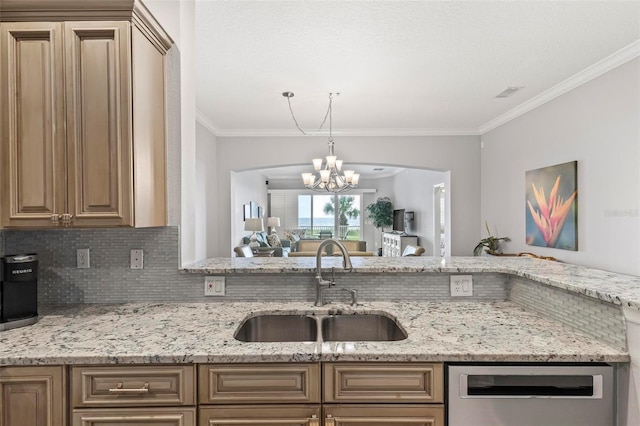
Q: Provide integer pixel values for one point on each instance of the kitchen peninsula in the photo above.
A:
(471, 329)
(508, 319)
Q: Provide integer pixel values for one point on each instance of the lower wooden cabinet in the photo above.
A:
(286, 394)
(156, 416)
(383, 382)
(383, 415)
(163, 395)
(291, 383)
(246, 415)
(33, 396)
(354, 394)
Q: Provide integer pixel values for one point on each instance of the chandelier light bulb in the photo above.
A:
(324, 175)
(317, 164)
(348, 175)
(338, 165)
(307, 178)
(331, 161)
(355, 179)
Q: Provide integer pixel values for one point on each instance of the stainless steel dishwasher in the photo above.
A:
(531, 395)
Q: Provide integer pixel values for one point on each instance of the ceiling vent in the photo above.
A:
(509, 91)
(378, 169)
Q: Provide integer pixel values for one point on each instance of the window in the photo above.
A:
(318, 215)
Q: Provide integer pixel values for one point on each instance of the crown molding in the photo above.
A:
(206, 123)
(622, 56)
(349, 132)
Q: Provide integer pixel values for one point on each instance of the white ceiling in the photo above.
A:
(419, 67)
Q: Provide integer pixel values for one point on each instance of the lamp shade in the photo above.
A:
(253, 225)
(273, 221)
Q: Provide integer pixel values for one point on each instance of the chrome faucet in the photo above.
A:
(322, 284)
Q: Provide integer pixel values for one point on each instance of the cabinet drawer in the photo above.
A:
(383, 415)
(247, 415)
(383, 382)
(126, 386)
(259, 383)
(157, 416)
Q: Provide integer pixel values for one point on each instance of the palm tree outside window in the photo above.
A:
(317, 214)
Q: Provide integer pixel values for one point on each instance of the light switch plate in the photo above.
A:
(214, 286)
(137, 259)
(461, 285)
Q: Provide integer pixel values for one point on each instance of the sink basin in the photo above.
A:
(278, 328)
(361, 328)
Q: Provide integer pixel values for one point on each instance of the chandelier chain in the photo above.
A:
(324, 120)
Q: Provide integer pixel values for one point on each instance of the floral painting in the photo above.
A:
(551, 210)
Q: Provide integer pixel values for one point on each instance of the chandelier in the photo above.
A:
(330, 176)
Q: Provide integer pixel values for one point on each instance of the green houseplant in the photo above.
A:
(491, 243)
(381, 212)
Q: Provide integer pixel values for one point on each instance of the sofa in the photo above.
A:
(310, 248)
(263, 239)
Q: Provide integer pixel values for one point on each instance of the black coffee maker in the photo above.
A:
(18, 290)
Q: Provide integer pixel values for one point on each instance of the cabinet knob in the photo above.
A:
(329, 421)
(313, 421)
(55, 218)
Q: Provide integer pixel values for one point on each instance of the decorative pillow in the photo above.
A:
(274, 240)
(290, 234)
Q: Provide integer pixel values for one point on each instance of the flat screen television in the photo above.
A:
(398, 220)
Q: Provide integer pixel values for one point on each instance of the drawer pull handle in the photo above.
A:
(120, 389)
(313, 421)
(329, 421)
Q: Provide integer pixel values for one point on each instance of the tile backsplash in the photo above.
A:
(599, 319)
(110, 279)
(1, 242)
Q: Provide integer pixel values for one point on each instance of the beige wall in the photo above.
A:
(458, 154)
(597, 124)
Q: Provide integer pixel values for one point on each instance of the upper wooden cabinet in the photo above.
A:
(83, 122)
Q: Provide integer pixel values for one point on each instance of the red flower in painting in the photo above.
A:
(550, 216)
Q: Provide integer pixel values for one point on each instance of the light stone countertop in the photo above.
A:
(150, 333)
(611, 287)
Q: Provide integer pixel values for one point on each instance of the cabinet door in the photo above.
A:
(32, 396)
(98, 94)
(383, 415)
(126, 386)
(383, 382)
(259, 383)
(158, 416)
(247, 415)
(33, 132)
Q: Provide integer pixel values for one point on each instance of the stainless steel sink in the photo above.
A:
(361, 328)
(278, 328)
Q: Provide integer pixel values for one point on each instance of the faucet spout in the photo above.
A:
(322, 284)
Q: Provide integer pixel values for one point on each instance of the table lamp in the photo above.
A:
(254, 225)
(273, 222)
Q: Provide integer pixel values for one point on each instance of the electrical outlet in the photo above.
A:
(82, 258)
(461, 285)
(214, 286)
(137, 259)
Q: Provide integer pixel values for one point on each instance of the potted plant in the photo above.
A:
(491, 243)
(381, 212)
